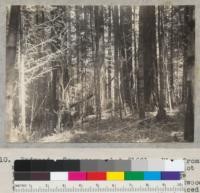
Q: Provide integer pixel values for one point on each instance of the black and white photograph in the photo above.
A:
(100, 73)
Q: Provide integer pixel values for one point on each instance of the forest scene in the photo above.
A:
(100, 74)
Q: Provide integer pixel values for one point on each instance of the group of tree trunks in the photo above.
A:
(121, 58)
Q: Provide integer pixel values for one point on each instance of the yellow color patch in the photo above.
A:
(115, 175)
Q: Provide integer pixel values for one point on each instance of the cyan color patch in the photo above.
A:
(152, 175)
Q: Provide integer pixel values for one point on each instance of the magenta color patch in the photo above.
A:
(73, 176)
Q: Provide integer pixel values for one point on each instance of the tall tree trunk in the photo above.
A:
(117, 94)
(135, 58)
(91, 10)
(99, 43)
(109, 52)
(83, 64)
(184, 80)
(190, 58)
(141, 59)
(77, 25)
(103, 67)
(69, 37)
(53, 95)
(149, 51)
(21, 53)
(161, 111)
(11, 49)
(171, 64)
(147, 59)
(126, 55)
(78, 28)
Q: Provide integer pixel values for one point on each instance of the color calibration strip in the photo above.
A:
(95, 176)
(98, 165)
(99, 170)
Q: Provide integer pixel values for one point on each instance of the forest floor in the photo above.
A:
(129, 130)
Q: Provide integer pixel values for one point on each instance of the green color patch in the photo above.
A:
(134, 176)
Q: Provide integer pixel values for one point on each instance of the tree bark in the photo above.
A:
(109, 52)
(126, 55)
(117, 94)
(53, 92)
(140, 81)
(135, 47)
(171, 64)
(21, 54)
(99, 43)
(149, 51)
(77, 12)
(190, 59)
(161, 111)
(11, 49)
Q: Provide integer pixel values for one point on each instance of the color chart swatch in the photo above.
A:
(97, 170)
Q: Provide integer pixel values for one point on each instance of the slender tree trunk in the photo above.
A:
(103, 66)
(140, 81)
(53, 95)
(161, 111)
(135, 58)
(184, 81)
(77, 27)
(22, 78)
(92, 26)
(77, 12)
(109, 52)
(11, 49)
(69, 38)
(117, 100)
(171, 64)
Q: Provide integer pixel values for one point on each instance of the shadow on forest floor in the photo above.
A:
(129, 130)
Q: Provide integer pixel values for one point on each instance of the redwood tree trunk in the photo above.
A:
(126, 54)
(140, 81)
(190, 58)
(11, 50)
(161, 111)
(149, 54)
(117, 94)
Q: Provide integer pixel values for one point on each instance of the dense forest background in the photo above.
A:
(100, 73)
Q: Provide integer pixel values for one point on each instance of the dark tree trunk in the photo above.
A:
(147, 58)
(126, 54)
(135, 59)
(140, 81)
(149, 55)
(171, 64)
(190, 46)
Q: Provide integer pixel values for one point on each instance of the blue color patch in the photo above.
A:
(152, 175)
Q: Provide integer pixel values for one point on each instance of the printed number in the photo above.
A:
(4, 160)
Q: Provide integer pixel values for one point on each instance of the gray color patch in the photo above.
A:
(139, 165)
(156, 165)
(122, 165)
(89, 165)
(106, 165)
